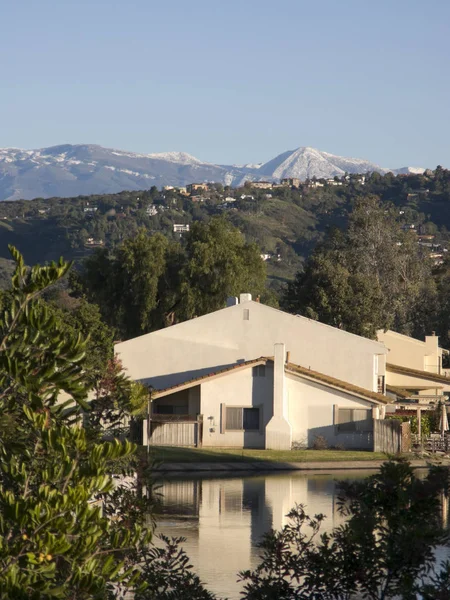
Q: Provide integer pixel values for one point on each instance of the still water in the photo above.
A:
(224, 518)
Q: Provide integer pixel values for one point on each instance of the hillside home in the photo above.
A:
(291, 182)
(180, 227)
(262, 378)
(414, 368)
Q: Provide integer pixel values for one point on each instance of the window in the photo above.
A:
(241, 419)
(259, 371)
(246, 314)
(354, 419)
(380, 386)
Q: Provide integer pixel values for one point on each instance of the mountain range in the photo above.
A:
(83, 169)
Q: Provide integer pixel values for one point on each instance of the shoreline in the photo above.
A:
(268, 466)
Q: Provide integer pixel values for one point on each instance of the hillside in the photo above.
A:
(285, 222)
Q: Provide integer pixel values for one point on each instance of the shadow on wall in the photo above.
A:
(164, 381)
(356, 440)
(262, 400)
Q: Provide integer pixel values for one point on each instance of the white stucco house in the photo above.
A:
(262, 378)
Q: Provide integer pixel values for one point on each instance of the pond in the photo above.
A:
(224, 518)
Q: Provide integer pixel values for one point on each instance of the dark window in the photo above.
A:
(251, 419)
(242, 419)
(354, 419)
(246, 314)
(380, 389)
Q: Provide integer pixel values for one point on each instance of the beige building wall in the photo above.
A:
(240, 388)
(247, 331)
(408, 352)
(311, 413)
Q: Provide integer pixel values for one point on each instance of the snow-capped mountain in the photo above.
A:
(72, 170)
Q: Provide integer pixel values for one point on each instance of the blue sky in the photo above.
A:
(229, 81)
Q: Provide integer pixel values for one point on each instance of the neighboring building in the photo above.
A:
(196, 187)
(414, 367)
(90, 209)
(220, 365)
(291, 181)
(261, 185)
(180, 227)
(151, 210)
(315, 184)
(93, 242)
(333, 182)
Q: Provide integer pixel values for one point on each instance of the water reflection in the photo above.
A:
(224, 518)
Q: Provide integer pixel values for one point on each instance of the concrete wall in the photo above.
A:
(311, 413)
(225, 337)
(238, 388)
(408, 352)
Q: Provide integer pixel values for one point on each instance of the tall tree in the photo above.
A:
(219, 263)
(372, 276)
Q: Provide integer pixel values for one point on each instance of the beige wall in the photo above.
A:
(187, 350)
(238, 388)
(311, 413)
(408, 352)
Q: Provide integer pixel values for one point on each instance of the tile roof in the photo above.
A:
(418, 373)
(189, 382)
(337, 383)
(400, 392)
(290, 367)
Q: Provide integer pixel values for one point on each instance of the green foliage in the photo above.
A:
(149, 282)
(72, 521)
(371, 277)
(218, 264)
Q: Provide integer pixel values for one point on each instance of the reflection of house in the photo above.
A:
(231, 367)
(235, 513)
(414, 367)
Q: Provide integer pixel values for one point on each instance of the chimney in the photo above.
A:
(245, 298)
(278, 430)
(232, 301)
(288, 356)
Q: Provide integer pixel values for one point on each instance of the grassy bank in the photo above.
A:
(226, 455)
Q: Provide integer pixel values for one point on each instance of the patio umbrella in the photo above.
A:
(444, 420)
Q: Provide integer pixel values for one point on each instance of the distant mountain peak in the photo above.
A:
(81, 169)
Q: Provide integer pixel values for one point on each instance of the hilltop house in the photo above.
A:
(262, 378)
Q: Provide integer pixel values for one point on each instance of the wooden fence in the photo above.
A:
(175, 432)
(391, 436)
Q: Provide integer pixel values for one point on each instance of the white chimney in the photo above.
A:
(278, 430)
(245, 298)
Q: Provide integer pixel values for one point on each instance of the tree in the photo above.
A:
(68, 529)
(54, 541)
(386, 549)
(219, 263)
(372, 276)
(125, 284)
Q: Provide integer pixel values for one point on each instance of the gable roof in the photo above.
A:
(289, 368)
(337, 383)
(418, 373)
(399, 392)
(208, 376)
(379, 347)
